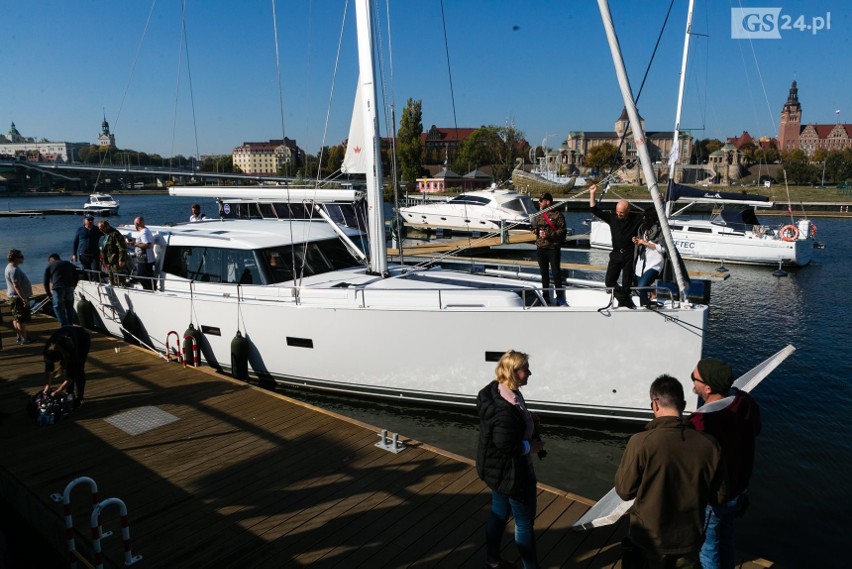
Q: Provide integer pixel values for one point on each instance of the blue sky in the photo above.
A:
(543, 66)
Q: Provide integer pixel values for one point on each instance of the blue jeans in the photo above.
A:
(718, 550)
(523, 510)
(63, 305)
(647, 278)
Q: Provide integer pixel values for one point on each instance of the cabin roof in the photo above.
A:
(244, 234)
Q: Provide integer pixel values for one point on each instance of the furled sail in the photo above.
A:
(355, 159)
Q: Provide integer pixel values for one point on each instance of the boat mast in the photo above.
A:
(673, 160)
(639, 137)
(372, 146)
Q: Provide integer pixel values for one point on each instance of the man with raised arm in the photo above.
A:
(622, 226)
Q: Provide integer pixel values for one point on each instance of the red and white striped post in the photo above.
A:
(178, 351)
(129, 558)
(66, 512)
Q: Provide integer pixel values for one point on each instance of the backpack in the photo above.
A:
(47, 409)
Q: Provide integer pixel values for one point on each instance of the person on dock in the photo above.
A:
(549, 229)
(18, 290)
(60, 279)
(144, 250)
(65, 356)
(86, 249)
(114, 253)
(508, 439)
(196, 213)
(622, 226)
(733, 418)
(673, 472)
(650, 254)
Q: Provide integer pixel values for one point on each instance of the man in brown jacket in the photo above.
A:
(673, 472)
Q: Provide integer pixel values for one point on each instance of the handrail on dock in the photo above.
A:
(129, 558)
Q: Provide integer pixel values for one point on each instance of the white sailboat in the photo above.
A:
(733, 234)
(319, 309)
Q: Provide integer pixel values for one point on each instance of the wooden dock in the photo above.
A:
(243, 477)
(464, 248)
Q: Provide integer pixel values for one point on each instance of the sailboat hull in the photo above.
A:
(586, 362)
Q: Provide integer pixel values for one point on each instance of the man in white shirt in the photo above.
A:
(196, 213)
(144, 251)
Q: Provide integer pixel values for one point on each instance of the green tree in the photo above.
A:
(601, 157)
(494, 146)
(819, 156)
(335, 158)
(749, 150)
(796, 165)
(713, 145)
(409, 144)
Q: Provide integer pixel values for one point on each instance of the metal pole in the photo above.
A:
(639, 137)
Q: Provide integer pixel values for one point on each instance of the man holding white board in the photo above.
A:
(732, 417)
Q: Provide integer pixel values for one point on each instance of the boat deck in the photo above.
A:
(244, 477)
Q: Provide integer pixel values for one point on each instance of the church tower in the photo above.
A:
(106, 139)
(791, 121)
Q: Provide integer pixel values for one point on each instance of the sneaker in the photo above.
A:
(25, 341)
(561, 302)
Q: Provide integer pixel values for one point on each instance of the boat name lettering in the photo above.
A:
(685, 244)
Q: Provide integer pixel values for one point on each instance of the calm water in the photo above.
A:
(800, 493)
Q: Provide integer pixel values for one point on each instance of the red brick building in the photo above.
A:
(792, 135)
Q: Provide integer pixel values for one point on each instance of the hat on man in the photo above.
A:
(89, 216)
(716, 374)
(546, 196)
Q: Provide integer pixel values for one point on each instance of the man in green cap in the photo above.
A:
(733, 418)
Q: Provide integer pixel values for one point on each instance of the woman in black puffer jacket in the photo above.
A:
(508, 438)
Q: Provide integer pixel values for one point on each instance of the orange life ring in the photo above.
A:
(789, 233)
(813, 230)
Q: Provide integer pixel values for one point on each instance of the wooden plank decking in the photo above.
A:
(248, 478)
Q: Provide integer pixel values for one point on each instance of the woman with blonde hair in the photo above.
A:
(508, 437)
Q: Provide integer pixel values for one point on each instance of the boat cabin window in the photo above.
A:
(314, 258)
(347, 214)
(212, 264)
(519, 206)
(266, 266)
(700, 230)
(466, 199)
(676, 227)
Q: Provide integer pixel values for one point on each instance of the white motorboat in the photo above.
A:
(102, 203)
(489, 210)
(731, 235)
(317, 310)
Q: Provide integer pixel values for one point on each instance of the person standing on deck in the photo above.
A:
(622, 226)
(115, 253)
(673, 472)
(19, 290)
(60, 279)
(549, 229)
(144, 251)
(733, 418)
(650, 254)
(196, 213)
(508, 439)
(86, 249)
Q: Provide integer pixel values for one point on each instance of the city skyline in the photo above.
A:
(545, 69)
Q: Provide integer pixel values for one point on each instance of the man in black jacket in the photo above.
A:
(622, 226)
(60, 279)
(86, 248)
